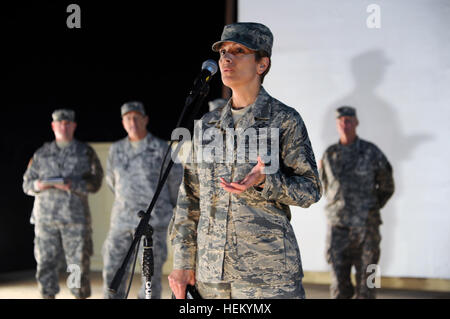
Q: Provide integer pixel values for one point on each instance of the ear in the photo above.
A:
(262, 65)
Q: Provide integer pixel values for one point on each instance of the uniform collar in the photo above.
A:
(54, 147)
(148, 141)
(260, 110)
(355, 145)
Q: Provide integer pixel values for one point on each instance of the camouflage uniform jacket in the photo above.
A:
(266, 245)
(132, 175)
(357, 181)
(77, 162)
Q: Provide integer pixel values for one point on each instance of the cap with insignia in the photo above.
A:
(255, 36)
(132, 106)
(63, 115)
(345, 111)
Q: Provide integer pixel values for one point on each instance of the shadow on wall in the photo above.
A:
(379, 124)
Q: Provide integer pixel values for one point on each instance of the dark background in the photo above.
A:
(124, 51)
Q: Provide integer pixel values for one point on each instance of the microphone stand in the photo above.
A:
(200, 90)
(147, 258)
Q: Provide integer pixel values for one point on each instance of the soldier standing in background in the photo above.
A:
(231, 232)
(357, 181)
(60, 175)
(132, 173)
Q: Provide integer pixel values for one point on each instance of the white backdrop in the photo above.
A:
(398, 78)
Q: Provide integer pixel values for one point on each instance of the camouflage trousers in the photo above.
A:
(115, 249)
(347, 247)
(74, 242)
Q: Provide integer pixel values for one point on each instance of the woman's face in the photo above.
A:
(238, 65)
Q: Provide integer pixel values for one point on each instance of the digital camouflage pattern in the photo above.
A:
(132, 175)
(255, 36)
(217, 103)
(62, 219)
(132, 106)
(345, 111)
(347, 247)
(75, 242)
(232, 286)
(63, 115)
(77, 162)
(266, 250)
(357, 181)
(242, 290)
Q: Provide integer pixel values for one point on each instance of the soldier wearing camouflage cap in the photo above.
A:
(63, 115)
(231, 232)
(132, 174)
(357, 181)
(60, 175)
(345, 111)
(132, 106)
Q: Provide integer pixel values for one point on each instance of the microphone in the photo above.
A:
(209, 68)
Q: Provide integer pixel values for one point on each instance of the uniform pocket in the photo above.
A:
(263, 253)
(260, 248)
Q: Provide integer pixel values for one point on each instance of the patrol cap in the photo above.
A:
(255, 36)
(345, 111)
(63, 115)
(132, 106)
(217, 103)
